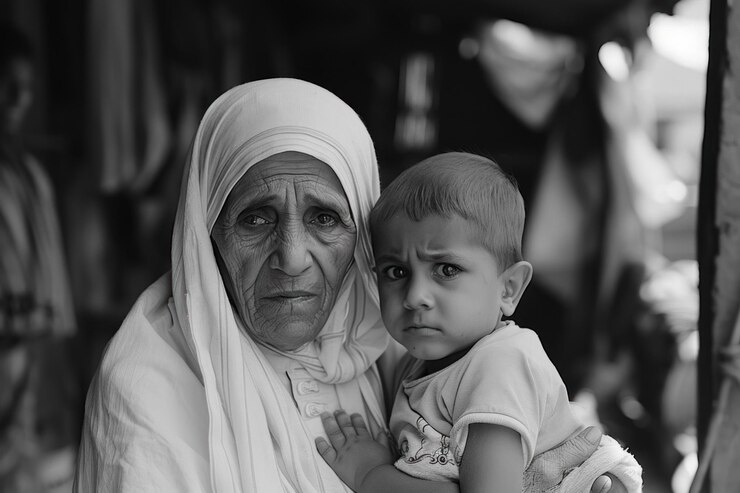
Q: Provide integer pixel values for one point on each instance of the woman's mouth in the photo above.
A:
(291, 296)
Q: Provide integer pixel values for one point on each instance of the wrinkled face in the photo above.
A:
(285, 238)
(440, 291)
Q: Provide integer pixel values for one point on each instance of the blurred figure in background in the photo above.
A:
(36, 310)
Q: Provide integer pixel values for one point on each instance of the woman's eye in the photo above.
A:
(447, 270)
(254, 220)
(394, 272)
(325, 219)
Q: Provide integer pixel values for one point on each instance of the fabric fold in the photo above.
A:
(609, 457)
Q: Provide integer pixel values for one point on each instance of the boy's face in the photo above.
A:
(440, 290)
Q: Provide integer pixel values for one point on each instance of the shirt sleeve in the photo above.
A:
(503, 385)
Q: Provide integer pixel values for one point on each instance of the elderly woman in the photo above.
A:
(270, 315)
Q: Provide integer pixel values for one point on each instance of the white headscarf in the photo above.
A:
(256, 437)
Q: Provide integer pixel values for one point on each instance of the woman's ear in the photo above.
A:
(515, 280)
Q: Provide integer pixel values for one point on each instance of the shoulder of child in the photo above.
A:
(509, 345)
(511, 336)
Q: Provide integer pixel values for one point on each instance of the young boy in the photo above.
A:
(479, 397)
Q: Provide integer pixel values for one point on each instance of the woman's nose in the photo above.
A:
(418, 295)
(292, 254)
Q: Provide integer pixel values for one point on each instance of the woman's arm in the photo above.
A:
(150, 441)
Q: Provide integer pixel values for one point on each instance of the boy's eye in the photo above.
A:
(395, 272)
(446, 270)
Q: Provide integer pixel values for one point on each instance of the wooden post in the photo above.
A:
(719, 239)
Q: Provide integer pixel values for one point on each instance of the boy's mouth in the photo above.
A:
(421, 329)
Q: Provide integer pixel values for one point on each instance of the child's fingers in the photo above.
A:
(332, 429)
(326, 450)
(382, 438)
(345, 423)
(359, 425)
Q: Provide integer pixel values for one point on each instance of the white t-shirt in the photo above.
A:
(505, 379)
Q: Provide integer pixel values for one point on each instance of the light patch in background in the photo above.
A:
(614, 60)
(682, 39)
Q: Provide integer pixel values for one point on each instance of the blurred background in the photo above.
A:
(595, 106)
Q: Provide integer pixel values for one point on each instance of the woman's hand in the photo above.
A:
(351, 451)
(549, 468)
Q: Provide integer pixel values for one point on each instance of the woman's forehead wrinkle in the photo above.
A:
(246, 193)
(323, 186)
(307, 188)
(287, 183)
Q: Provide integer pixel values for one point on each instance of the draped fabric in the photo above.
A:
(35, 295)
(253, 438)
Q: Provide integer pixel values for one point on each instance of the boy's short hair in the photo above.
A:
(471, 186)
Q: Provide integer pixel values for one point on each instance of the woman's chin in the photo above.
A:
(289, 333)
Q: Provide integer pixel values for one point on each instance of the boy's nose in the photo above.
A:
(418, 296)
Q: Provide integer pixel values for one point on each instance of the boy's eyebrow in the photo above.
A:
(441, 256)
(424, 256)
(385, 258)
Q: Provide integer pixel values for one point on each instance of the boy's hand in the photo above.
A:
(351, 451)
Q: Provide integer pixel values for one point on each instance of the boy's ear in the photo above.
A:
(515, 280)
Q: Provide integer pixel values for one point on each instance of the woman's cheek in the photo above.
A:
(253, 261)
(344, 250)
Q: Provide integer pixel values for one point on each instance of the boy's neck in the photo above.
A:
(434, 365)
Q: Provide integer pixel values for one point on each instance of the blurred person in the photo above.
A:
(36, 311)
(666, 359)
